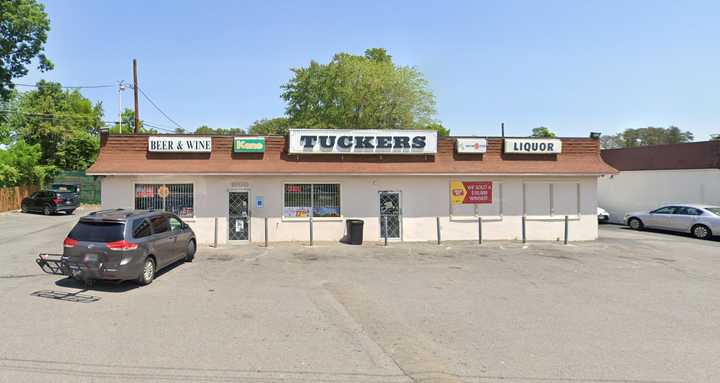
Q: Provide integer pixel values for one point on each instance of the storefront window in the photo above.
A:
(316, 200)
(174, 198)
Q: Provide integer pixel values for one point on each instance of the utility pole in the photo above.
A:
(502, 128)
(135, 91)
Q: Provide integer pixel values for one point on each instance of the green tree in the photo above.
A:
(63, 122)
(128, 124)
(270, 127)
(205, 130)
(614, 141)
(632, 138)
(20, 165)
(542, 132)
(442, 131)
(24, 26)
(359, 92)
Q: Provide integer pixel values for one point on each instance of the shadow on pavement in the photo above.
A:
(104, 286)
(111, 286)
(673, 233)
(66, 296)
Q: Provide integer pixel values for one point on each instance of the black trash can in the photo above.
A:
(355, 231)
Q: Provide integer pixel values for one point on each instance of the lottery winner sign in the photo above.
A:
(473, 192)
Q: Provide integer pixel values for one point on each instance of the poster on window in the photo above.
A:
(475, 192)
(296, 212)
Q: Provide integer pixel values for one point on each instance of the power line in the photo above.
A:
(70, 87)
(50, 115)
(58, 116)
(158, 109)
(158, 125)
(146, 124)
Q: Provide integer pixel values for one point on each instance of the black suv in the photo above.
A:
(51, 202)
(126, 245)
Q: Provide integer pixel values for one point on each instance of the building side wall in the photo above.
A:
(643, 190)
(423, 199)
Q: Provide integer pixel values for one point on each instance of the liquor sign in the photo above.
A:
(471, 145)
(362, 141)
(172, 144)
(470, 192)
(249, 145)
(533, 145)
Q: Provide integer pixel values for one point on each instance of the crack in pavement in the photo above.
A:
(406, 347)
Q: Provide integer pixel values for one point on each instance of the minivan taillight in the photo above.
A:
(57, 201)
(121, 245)
(69, 242)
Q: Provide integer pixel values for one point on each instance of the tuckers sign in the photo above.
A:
(362, 141)
(533, 145)
(172, 144)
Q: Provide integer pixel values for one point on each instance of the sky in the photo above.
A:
(573, 66)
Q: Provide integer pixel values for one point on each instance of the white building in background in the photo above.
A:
(652, 176)
(400, 183)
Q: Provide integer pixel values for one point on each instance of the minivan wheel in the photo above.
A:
(147, 274)
(635, 224)
(46, 210)
(190, 251)
(701, 232)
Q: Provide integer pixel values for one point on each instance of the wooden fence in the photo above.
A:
(10, 198)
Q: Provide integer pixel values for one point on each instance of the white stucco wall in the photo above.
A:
(644, 190)
(423, 198)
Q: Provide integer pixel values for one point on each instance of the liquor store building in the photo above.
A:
(404, 184)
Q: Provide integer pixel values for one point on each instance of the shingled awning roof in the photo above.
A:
(128, 155)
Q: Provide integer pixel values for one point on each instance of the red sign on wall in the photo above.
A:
(471, 192)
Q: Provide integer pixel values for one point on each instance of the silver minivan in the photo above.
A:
(699, 220)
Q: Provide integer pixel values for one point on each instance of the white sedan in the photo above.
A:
(699, 220)
(603, 215)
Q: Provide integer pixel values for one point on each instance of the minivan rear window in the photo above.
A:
(98, 231)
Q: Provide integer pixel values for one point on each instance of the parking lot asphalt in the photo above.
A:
(635, 307)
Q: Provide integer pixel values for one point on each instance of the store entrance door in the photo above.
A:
(390, 214)
(238, 215)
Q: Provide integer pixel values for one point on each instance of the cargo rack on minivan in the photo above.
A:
(52, 264)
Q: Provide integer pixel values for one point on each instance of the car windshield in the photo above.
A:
(64, 188)
(98, 231)
(714, 210)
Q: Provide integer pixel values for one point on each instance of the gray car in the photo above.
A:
(126, 245)
(699, 220)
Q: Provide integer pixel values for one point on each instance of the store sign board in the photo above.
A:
(362, 141)
(533, 145)
(471, 145)
(173, 144)
(249, 145)
(475, 192)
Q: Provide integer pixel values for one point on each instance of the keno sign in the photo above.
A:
(180, 144)
(362, 141)
(533, 145)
